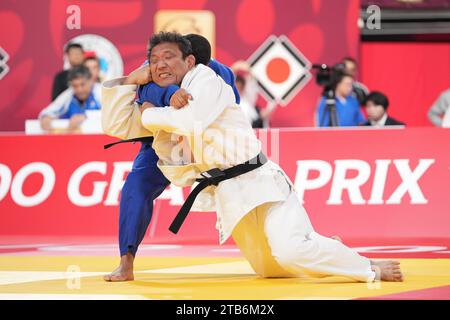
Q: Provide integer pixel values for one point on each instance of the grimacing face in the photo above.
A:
(167, 65)
(81, 87)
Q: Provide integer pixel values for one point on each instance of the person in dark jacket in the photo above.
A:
(75, 55)
(376, 105)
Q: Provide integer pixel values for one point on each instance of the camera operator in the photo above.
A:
(345, 108)
(360, 91)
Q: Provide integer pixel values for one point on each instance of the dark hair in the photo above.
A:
(338, 76)
(80, 71)
(172, 37)
(201, 48)
(378, 99)
(72, 45)
(349, 59)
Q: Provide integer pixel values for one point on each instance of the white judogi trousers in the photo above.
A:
(278, 240)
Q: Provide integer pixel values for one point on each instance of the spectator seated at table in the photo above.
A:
(84, 95)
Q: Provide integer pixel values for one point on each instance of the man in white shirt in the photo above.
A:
(210, 139)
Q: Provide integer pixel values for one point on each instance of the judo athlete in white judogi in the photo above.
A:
(260, 208)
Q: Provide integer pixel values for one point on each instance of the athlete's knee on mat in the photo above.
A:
(265, 270)
(259, 270)
(268, 273)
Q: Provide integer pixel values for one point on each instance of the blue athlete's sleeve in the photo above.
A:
(227, 75)
(160, 96)
(155, 94)
(151, 92)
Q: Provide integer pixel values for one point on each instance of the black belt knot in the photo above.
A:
(214, 177)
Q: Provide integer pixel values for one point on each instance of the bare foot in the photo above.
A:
(124, 272)
(387, 270)
(337, 238)
(119, 275)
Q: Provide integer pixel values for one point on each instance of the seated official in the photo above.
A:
(348, 111)
(93, 64)
(83, 95)
(376, 105)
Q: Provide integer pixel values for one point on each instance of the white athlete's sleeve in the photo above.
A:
(121, 117)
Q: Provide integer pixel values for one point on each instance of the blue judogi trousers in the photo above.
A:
(143, 184)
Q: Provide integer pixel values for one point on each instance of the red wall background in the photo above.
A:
(411, 74)
(34, 32)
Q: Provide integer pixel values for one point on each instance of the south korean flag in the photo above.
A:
(280, 69)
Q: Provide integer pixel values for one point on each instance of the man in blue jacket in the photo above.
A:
(146, 182)
(347, 109)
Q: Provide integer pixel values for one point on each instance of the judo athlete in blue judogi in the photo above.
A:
(146, 182)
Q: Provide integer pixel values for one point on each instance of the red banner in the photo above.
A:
(357, 183)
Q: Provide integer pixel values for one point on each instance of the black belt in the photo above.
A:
(142, 139)
(214, 177)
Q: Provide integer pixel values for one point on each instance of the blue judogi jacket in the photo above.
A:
(160, 96)
(76, 107)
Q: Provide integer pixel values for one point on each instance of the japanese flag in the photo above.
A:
(280, 69)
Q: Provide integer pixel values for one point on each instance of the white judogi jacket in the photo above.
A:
(213, 129)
